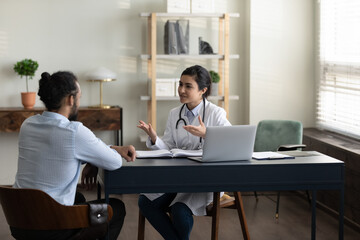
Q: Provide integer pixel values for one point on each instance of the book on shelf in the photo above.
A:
(176, 37)
(173, 153)
(170, 38)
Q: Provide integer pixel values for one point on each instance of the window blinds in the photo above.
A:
(338, 95)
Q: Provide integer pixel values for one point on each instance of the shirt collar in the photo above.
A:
(54, 115)
(195, 110)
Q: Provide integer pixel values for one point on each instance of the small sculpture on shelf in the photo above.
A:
(205, 47)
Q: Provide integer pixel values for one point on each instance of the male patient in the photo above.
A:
(52, 147)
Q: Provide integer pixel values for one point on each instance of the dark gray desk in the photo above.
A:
(182, 175)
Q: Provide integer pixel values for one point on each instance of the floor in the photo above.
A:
(293, 223)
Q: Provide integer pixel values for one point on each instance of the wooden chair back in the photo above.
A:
(36, 210)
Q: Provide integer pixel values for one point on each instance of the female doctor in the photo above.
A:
(185, 129)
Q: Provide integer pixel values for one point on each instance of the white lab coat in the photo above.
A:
(180, 138)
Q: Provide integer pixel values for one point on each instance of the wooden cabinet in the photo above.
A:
(96, 119)
(345, 149)
(223, 57)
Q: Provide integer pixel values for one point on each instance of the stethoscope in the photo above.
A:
(184, 121)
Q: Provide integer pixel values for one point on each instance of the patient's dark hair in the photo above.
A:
(201, 76)
(54, 88)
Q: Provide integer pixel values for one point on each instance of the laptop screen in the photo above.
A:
(228, 143)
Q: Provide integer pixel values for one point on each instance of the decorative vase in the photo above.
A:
(214, 89)
(28, 99)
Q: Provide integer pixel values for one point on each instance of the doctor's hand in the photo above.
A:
(149, 130)
(127, 152)
(199, 131)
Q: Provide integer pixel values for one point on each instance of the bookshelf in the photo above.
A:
(223, 57)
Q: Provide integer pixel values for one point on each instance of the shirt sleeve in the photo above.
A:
(90, 149)
(167, 141)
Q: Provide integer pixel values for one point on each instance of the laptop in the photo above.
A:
(228, 143)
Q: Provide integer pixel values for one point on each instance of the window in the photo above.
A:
(338, 95)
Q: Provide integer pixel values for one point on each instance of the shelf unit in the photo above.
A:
(176, 98)
(223, 58)
(187, 56)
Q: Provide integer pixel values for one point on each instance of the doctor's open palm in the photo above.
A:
(199, 131)
(148, 129)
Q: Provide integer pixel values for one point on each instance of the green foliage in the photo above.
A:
(27, 68)
(215, 77)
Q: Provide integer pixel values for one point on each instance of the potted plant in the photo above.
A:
(27, 68)
(215, 79)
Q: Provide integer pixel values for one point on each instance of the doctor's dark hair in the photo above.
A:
(201, 76)
(54, 88)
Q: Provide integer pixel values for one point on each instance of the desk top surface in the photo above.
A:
(312, 158)
(184, 175)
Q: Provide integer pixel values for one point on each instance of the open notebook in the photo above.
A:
(163, 153)
(270, 156)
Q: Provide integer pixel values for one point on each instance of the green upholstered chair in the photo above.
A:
(278, 135)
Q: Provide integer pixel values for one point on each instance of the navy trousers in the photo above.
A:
(176, 225)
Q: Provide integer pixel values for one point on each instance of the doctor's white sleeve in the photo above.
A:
(167, 141)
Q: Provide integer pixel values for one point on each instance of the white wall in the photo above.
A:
(282, 60)
(84, 34)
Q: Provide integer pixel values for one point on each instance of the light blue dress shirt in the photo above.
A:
(51, 151)
(191, 114)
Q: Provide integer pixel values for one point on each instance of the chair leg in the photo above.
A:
(308, 197)
(98, 191)
(277, 206)
(256, 196)
(215, 216)
(141, 227)
(241, 213)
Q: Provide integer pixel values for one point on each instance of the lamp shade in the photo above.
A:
(101, 73)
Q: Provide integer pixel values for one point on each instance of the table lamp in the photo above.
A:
(101, 75)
